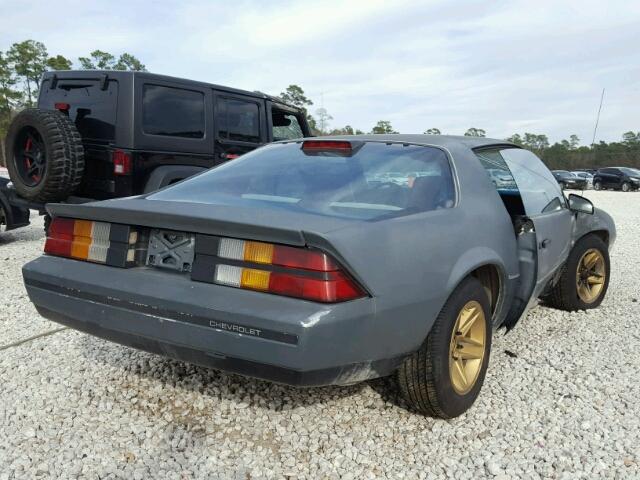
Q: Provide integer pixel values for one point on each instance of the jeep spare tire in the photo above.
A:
(45, 157)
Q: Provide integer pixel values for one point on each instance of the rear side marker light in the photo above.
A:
(121, 162)
(98, 242)
(278, 269)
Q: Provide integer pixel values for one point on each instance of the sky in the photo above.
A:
(503, 66)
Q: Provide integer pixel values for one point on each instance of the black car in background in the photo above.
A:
(617, 178)
(570, 180)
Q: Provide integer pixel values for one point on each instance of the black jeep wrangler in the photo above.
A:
(106, 134)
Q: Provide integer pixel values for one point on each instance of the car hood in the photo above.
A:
(267, 224)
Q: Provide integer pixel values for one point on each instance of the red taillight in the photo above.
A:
(302, 258)
(63, 107)
(98, 242)
(60, 237)
(300, 272)
(335, 288)
(326, 145)
(121, 162)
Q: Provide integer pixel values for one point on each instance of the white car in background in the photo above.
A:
(587, 176)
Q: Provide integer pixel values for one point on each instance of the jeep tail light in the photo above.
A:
(278, 269)
(63, 107)
(99, 242)
(121, 162)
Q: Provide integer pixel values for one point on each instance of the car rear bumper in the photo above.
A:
(274, 338)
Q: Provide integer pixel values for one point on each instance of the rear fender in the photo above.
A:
(470, 261)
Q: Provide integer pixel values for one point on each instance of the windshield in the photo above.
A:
(368, 182)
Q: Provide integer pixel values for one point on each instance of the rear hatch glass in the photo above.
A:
(92, 108)
(370, 181)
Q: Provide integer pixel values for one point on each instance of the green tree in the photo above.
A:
(535, 141)
(382, 127)
(433, 131)
(129, 62)
(29, 61)
(631, 138)
(475, 132)
(574, 141)
(515, 138)
(9, 95)
(346, 130)
(98, 60)
(59, 63)
(294, 95)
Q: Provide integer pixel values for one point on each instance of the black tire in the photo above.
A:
(45, 157)
(597, 185)
(424, 378)
(625, 187)
(564, 294)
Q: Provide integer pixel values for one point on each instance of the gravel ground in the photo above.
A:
(561, 400)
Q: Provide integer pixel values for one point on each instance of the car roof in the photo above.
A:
(72, 74)
(444, 141)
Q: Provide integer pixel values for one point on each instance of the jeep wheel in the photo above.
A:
(597, 185)
(625, 187)
(443, 378)
(45, 157)
(584, 279)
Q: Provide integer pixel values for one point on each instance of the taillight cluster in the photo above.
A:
(265, 267)
(278, 269)
(100, 242)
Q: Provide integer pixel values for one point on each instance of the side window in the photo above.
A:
(285, 126)
(539, 189)
(238, 120)
(172, 112)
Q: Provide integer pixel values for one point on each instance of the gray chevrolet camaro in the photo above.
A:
(332, 261)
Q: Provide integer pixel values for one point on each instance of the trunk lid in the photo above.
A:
(244, 222)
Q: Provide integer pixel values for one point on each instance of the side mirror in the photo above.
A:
(580, 204)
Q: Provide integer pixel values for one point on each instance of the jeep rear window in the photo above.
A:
(374, 180)
(285, 126)
(172, 112)
(91, 108)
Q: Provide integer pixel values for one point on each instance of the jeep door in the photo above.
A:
(240, 124)
(546, 207)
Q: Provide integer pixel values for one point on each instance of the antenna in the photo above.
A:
(595, 129)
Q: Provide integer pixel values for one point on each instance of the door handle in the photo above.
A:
(545, 243)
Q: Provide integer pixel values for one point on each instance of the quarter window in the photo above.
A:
(172, 112)
(238, 120)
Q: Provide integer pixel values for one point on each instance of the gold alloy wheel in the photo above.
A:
(466, 350)
(590, 275)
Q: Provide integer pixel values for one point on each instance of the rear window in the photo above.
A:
(374, 180)
(172, 112)
(92, 108)
(286, 126)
